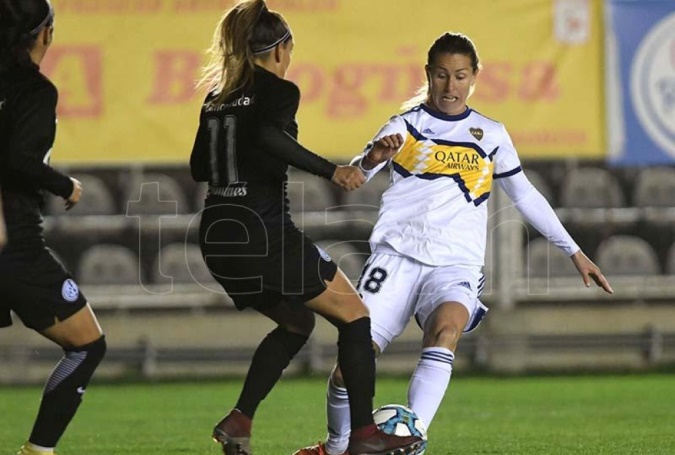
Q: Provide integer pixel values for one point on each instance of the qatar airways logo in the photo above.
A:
(653, 83)
(458, 160)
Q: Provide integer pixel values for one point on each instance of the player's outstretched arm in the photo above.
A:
(538, 212)
(589, 271)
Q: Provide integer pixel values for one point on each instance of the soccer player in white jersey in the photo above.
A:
(428, 245)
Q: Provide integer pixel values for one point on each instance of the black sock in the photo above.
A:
(63, 392)
(271, 358)
(356, 357)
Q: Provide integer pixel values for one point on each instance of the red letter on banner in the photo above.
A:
(76, 71)
(539, 82)
(175, 75)
(345, 99)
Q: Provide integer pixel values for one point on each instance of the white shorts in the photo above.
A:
(395, 288)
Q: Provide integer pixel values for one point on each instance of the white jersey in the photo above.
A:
(435, 209)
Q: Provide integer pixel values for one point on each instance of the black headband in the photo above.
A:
(274, 44)
(50, 17)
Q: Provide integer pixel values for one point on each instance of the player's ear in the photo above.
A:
(47, 35)
(277, 53)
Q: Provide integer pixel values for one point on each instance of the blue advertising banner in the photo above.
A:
(641, 81)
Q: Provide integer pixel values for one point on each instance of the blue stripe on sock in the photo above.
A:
(339, 392)
(438, 357)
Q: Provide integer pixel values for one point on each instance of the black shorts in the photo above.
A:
(37, 288)
(261, 264)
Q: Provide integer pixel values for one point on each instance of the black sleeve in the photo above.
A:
(31, 138)
(277, 142)
(277, 110)
(199, 165)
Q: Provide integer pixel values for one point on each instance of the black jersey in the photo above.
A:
(245, 145)
(27, 130)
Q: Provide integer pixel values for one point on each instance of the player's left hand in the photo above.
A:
(75, 196)
(589, 270)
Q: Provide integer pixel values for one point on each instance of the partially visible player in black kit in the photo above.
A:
(32, 282)
(245, 143)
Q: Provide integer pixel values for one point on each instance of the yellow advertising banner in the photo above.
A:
(126, 72)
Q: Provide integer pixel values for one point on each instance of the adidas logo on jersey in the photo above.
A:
(466, 284)
(427, 131)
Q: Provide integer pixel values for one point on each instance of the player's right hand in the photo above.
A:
(75, 195)
(348, 177)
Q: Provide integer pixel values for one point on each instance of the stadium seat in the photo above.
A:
(369, 196)
(183, 263)
(96, 198)
(546, 260)
(655, 187)
(156, 194)
(309, 193)
(346, 256)
(627, 255)
(591, 188)
(542, 185)
(108, 265)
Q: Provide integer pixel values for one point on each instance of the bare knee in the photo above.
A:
(352, 310)
(444, 335)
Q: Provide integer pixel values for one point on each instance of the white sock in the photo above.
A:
(36, 448)
(339, 421)
(429, 382)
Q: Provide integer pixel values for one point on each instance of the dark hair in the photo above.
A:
(246, 30)
(20, 23)
(448, 43)
(454, 43)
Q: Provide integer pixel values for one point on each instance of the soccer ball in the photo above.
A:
(401, 421)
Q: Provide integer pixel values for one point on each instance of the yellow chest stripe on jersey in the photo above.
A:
(429, 160)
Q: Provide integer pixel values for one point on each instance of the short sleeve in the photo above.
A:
(278, 104)
(507, 162)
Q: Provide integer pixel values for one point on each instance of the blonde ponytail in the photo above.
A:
(421, 97)
(231, 65)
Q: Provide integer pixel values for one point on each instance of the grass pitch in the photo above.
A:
(515, 416)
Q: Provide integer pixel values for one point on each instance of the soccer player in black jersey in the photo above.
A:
(245, 143)
(32, 282)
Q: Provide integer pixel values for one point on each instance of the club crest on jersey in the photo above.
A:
(477, 133)
(325, 256)
(70, 291)
(2, 104)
